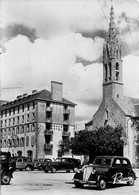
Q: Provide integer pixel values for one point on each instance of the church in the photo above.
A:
(115, 108)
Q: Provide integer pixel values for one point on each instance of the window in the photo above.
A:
(109, 71)
(13, 121)
(27, 141)
(27, 117)
(5, 122)
(32, 128)
(18, 109)
(32, 140)
(17, 130)
(23, 107)
(33, 105)
(9, 111)
(22, 119)
(13, 110)
(1, 123)
(117, 66)
(9, 122)
(33, 116)
(106, 72)
(1, 114)
(5, 112)
(18, 120)
(22, 129)
(27, 106)
(117, 76)
(27, 128)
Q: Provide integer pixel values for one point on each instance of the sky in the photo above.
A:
(62, 40)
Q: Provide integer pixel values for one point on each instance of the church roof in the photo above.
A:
(129, 105)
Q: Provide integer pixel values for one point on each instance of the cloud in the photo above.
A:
(12, 30)
(62, 41)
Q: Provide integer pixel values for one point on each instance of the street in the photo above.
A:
(60, 183)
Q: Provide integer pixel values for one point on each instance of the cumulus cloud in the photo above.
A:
(62, 41)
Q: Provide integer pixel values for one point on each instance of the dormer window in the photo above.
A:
(109, 70)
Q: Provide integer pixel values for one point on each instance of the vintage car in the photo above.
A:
(40, 163)
(24, 163)
(104, 170)
(5, 173)
(63, 163)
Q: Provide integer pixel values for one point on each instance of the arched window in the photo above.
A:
(109, 70)
(106, 72)
(117, 66)
(117, 54)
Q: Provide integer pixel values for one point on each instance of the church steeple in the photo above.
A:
(112, 62)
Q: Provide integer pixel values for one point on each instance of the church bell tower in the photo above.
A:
(112, 64)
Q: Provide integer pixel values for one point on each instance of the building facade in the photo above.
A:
(116, 109)
(32, 125)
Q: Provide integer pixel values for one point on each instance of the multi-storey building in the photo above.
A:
(32, 125)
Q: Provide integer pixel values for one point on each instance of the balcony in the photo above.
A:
(49, 109)
(48, 120)
(48, 146)
(66, 111)
(66, 122)
(48, 132)
(65, 133)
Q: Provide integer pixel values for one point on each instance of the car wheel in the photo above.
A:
(78, 184)
(5, 178)
(101, 184)
(28, 168)
(131, 180)
(53, 170)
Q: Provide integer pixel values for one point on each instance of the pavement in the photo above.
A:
(137, 172)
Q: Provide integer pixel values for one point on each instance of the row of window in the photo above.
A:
(17, 109)
(18, 120)
(18, 130)
(18, 142)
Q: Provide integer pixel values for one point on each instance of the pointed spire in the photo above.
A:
(112, 31)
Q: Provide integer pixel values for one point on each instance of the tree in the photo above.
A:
(102, 141)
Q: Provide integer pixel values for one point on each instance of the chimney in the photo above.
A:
(19, 97)
(56, 91)
(34, 91)
(25, 95)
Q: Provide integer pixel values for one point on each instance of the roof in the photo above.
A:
(41, 95)
(129, 105)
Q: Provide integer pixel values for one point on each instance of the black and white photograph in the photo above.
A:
(69, 97)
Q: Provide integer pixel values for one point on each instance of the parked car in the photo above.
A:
(40, 163)
(24, 163)
(12, 163)
(104, 170)
(5, 173)
(63, 163)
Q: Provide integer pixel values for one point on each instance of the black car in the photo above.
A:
(63, 163)
(104, 170)
(5, 173)
(12, 163)
(40, 163)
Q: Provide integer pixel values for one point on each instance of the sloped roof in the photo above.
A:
(40, 95)
(129, 105)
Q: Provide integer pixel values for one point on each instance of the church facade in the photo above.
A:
(116, 109)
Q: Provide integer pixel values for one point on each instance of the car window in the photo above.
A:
(125, 163)
(117, 162)
(19, 160)
(24, 160)
(58, 160)
(102, 161)
(64, 160)
(29, 160)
